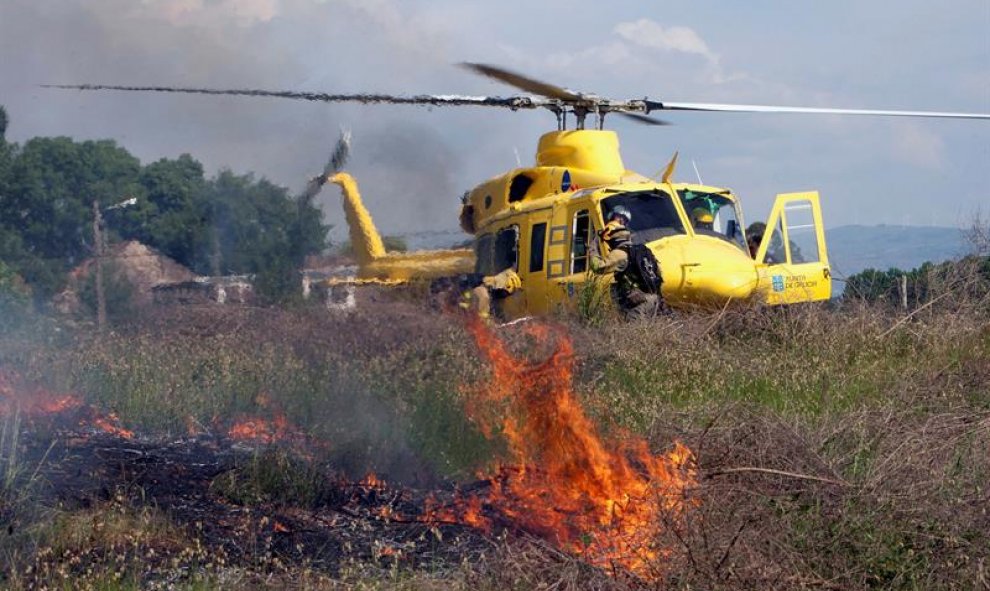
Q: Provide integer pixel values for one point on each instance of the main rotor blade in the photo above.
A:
(668, 106)
(341, 153)
(640, 118)
(566, 97)
(515, 102)
(522, 82)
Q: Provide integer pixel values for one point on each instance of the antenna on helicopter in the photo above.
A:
(696, 173)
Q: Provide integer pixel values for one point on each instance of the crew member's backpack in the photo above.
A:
(643, 268)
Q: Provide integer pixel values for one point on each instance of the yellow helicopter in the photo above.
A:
(541, 221)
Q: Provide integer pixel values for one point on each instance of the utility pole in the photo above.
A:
(101, 301)
(99, 245)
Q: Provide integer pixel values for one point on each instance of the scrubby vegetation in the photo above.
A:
(838, 447)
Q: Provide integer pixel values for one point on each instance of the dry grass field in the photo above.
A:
(840, 447)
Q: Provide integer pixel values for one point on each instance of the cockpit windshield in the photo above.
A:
(653, 212)
(713, 214)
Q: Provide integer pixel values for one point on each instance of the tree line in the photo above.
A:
(969, 275)
(226, 224)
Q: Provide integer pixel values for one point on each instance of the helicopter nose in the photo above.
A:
(735, 280)
(711, 275)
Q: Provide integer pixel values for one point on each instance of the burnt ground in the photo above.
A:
(199, 484)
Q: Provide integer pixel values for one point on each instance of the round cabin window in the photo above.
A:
(488, 201)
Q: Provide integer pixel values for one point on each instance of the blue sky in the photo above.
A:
(413, 163)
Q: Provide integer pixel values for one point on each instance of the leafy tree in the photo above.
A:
(263, 231)
(15, 299)
(970, 273)
(14, 292)
(231, 224)
(48, 201)
(175, 216)
(12, 286)
(6, 154)
(873, 285)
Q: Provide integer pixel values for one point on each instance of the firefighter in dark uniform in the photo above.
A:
(627, 292)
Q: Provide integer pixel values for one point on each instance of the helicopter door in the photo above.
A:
(533, 264)
(506, 256)
(792, 259)
(568, 254)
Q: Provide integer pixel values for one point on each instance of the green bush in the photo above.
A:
(118, 293)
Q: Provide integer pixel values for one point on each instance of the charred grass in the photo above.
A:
(838, 448)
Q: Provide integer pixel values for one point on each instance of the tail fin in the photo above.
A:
(365, 240)
(669, 171)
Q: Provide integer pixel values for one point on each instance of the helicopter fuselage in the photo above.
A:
(541, 222)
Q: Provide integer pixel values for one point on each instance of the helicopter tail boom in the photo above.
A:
(365, 239)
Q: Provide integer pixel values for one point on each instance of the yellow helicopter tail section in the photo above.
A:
(792, 261)
(365, 239)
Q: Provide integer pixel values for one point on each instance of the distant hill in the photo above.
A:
(852, 249)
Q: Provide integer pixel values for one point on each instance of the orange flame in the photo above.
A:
(38, 403)
(58, 404)
(259, 430)
(109, 425)
(387, 551)
(256, 430)
(370, 480)
(32, 400)
(606, 503)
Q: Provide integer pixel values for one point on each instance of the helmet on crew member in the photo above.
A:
(702, 218)
(620, 212)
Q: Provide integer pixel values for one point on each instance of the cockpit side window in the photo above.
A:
(653, 212)
(483, 252)
(713, 214)
(537, 242)
(580, 240)
(506, 249)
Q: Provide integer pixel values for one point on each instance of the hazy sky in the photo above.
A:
(413, 163)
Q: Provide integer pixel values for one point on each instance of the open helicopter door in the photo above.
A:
(572, 227)
(792, 260)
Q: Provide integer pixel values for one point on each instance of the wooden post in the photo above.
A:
(903, 283)
(101, 301)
